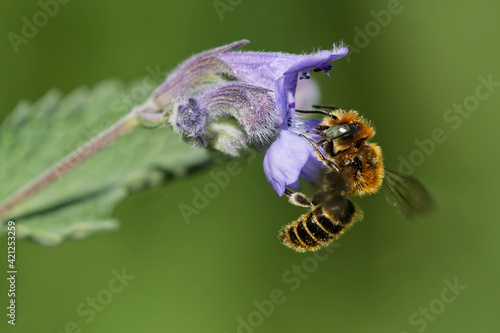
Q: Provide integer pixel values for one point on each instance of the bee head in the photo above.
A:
(346, 129)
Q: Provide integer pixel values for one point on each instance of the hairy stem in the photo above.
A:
(76, 158)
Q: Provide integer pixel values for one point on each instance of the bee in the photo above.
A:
(354, 167)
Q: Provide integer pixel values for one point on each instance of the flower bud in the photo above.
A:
(253, 107)
(244, 112)
(227, 137)
(189, 118)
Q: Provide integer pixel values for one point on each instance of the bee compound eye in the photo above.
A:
(337, 131)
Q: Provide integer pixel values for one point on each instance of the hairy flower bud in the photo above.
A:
(189, 118)
(253, 110)
(195, 74)
(227, 137)
(253, 107)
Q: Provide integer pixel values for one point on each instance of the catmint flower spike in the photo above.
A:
(228, 100)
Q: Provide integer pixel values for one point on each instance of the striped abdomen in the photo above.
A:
(320, 226)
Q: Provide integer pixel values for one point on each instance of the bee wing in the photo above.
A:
(407, 195)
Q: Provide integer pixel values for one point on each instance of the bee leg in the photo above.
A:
(357, 164)
(317, 131)
(321, 142)
(313, 132)
(327, 162)
(298, 199)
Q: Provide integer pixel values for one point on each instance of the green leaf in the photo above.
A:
(37, 135)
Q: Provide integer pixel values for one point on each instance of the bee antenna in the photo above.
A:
(326, 107)
(317, 111)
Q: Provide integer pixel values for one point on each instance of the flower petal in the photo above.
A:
(307, 94)
(200, 70)
(285, 159)
(280, 97)
(311, 170)
(318, 59)
(279, 71)
(309, 125)
(289, 85)
(295, 186)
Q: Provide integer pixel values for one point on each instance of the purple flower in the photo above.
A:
(228, 100)
(289, 156)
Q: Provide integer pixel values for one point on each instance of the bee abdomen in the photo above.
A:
(304, 234)
(327, 223)
(317, 228)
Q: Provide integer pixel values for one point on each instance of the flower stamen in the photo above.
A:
(324, 67)
(306, 75)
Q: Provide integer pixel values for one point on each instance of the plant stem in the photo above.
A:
(74, 159)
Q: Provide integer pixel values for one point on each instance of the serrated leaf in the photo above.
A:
(80, 203)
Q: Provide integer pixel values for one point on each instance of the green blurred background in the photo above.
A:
(204, 276)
